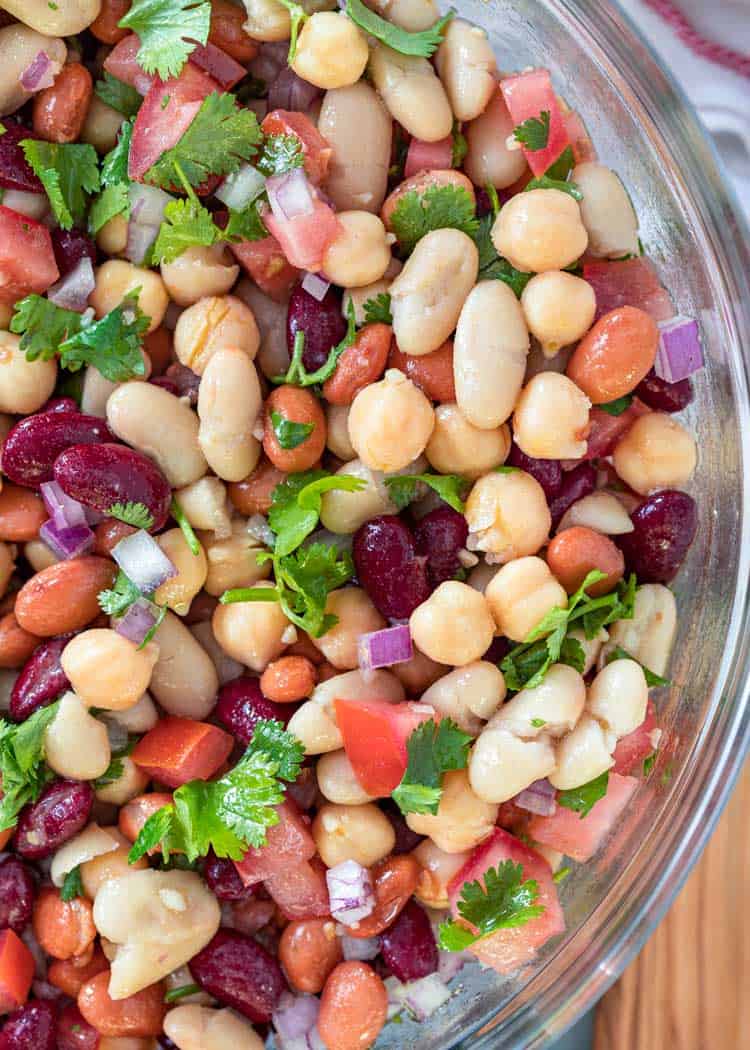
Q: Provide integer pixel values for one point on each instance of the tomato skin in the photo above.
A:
(305, 239)
(315, 148)
(529, 95)
(300, 890)
(606, 430)
(428, 156)
(632, 749)
(287, 843)
(27, 261)
(375, 735)
(266, 264)
(581, 838)
(633, 282)
(17, 968)
(508, 950)
(580, 142)
(177, 750)
(121, 63)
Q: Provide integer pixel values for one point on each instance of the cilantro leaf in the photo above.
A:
(297, 375)
(72, 886)
(175, 994)
(422, 44)
(280, 154)
(648, 763)
(122, 97)
(22, 768)
(114, 199)
(220, 137)
(583, 799)
(296, 503)
(506, 900)
(533, 134)
(186, 223)
(562, 166)
(136, 514)
(561, 875)
(378, 310)
(402, 488)
(187, 529)
(459, 147)
(283, 747)
(544, 182)
(653, 680)
(42, 326)
(288, 433)
(112, 345)
(433, 749)
(618, 406)
(491, 265)
(69, 172)
(117, 600)
(155, 831)
(437, 208)
(298, 16)
(168, 31)
(245, 225)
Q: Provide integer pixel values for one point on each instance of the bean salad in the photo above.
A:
(342, 490)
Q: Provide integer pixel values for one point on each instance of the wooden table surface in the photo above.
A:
(689, 987)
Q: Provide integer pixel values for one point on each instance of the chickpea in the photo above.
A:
(466, 65)
(204, 504)
(540, 230)
(557, 702)
(438, 869)
(112, 238)
(463, 819)
(607, 211)
(521, 594)
(232, 561)
(19, 45)
(360, 254)
(469, 695)
(353, 1008)
(559, 309)
(656, 452)
(583, 755)
(488, 159)
(192, 570)
(508, 515)
(101, 128)
(338, 781)
(502, 764)
(489, 354)
(390, 422)
(76, 744)
(316, 728)
(251, 632)
(357, 616)
(332, 51)
(196, 1027)
(412, 92)
(184, 679)
(198, 272)
(356, 178)
(601, 511)
(577, 551)
(214, 322)
(267, 20)
(618, 697)
(130, 783)
(24, 385)
(229, 402)
(362, 833)
(117, 279)
(456, 446)
(428, 294)
(344, 512)
(649, 636)
(106, 670)
(337, 432)
(551, 418)
(454, 626)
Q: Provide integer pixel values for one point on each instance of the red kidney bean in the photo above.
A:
(408, 946)
(60, 404)
(439, 536)
(388, 566)
(41, 680)
(547, 472)
(34, 443)
(70, 246)
(498, 650)
(241, 705)
(166, 384)
(664, 527)
(322, 322)
(31, 1028)
(224, 880)
(406, 839)
(663, 396)
(187, 381)
(100, 475)
(576, 483)
(74, 1032)
(61, 811)
(17, 892)
(15, 172)
(238, 972)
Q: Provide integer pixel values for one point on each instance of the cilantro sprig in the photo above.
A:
(533, 134)
(187, 529)
(114, 198)
(72, 886)
(23, 770)
(290, 434)
(653, 680)
(169, 31)
(233, 813)
(544, 182)
(296, 504)
(297, 17)
(618, 406)
(583, 799)
(117, 599)
(297, 374)
(122, 97)
(491, 265)
(378, 310)
(69, 173)
(116, 766)
(136, 514)
(280, 154)
(506, 900)
(433, 749)
(423, 44)
(402, 488)
(437, 208)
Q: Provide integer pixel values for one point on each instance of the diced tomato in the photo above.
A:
(305, 239)
(267, 265)
(16, 971)
(428, 156)
(287, 843)
(529, 95)
(606, 430)
(300, 890)
(315, 148)
(27, 261)
(218, 64)
(632, 282)
(158, 126)
(582, 146)
(375, 734)
(177, 750)
(633, 748)
(581, 838)
(508, 950)
(5, 837)
(121, 63)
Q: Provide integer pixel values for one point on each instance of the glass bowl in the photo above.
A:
(643, 128)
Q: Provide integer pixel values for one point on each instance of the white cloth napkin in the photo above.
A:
(706, 45)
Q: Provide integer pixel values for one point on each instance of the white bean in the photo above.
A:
(466, 65)
(488, 159)
(24, 385)
(618, 697)
(196, 1027)
(65, 18)
(270, 317)
(184, 679)
(226, 667)
(349, 116)
(337, 432)
(204, 504)
(521, 594)
(463, 819)
(551, 708)
(583, 755)
(607, 211)
(412, 92)
(600, 511)
(229, 402)
(232, 560)
(19, 46)
(75, 743)
(469, 695)
(139, 718)
(507, 515)
(414, 15)
(551, 418)
(649, 636)
(502, 764)
(92, 842)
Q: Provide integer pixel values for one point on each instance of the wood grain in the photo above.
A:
(688, 989)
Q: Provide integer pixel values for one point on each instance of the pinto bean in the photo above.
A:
(63, 598)
(60, 110)
(295, 405)
(359, 365)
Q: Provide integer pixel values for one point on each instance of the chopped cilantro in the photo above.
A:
(187, 529)
(116, 767)
(562, 166)
(297, 375)
(280, 154)
(561, 875)
(186, 223)
(378, 310)
(122, 97)
(112, 201)
(433, 749)
(544, 182)
(169, 31)
(437, 208)
(175, 994)
(617, 407)
(22, 768)
(298, 16)
(538, 723)
(494, 199)
(288, 433)
(648, 763)
(402, 488)
(491, 265)
(72, 886)
(422, 44)
(583, 799)
(653, 680)
(296, 503)
(533, 134)
(42, 326)
(136, 514)
(459, 147)
(505, 901)
(117, 600)
(506, 470)
(69, 172)
(245, 225)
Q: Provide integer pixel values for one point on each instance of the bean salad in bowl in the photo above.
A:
(342, 489)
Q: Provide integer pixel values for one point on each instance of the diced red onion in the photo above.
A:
(259, 529)
(316, 285)
(384, 648)
(137, 621)
(64, 511)
(140, 239)
(66, 542)
(450, 963)
(32, 205)
(350, 891)
(291, 92)
(38, 74)
(538, 798)
(147, 203)
(361, 949)
(73, 291)
(242, 187)
(143, 561)
(426, 995)
(680, 353)
(294, 1019)
(290, 195)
